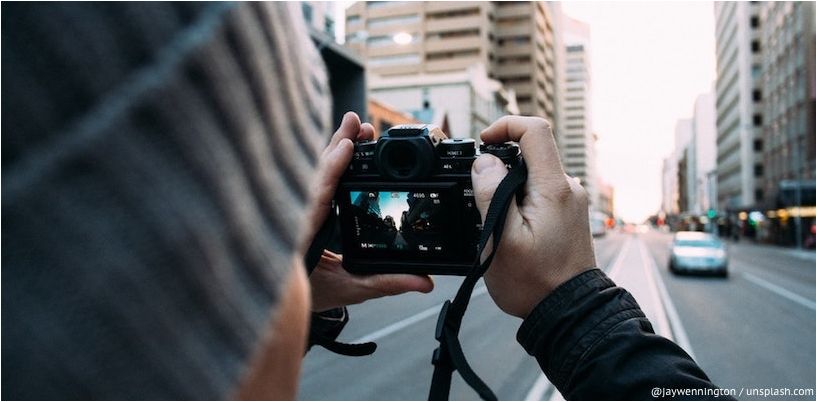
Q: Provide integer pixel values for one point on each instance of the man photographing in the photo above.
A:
(164, 170)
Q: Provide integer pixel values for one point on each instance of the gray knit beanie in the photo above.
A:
(156, 160)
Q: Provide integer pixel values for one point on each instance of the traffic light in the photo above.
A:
(711, 214)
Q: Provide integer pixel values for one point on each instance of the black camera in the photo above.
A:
(406, 202)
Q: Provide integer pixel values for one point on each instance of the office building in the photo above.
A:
(683, 193)
(513, 40)
(575, 135)
(669, 184)
(786, 91)
(739, 118)
(525, 55)
(703, 155)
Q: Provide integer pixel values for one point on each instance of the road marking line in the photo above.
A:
(663, 326)
(542, 386)
(779, 290)
(679, 333)
(539, 389)
(617, 263)
(408, 321)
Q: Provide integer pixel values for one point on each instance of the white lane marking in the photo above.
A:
(779, 290)
(680, 334)
(542, 386)
(663, 327)
(539, 389)
(617, 263)
(408, 321)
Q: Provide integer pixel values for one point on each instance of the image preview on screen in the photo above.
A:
(398, 220)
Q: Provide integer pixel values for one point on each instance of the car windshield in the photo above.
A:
(698, 243)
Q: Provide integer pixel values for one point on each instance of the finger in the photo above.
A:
(395, 284)
(486, 174)
(335, 164)
(366, 132)
(535, 138)
(349, 129)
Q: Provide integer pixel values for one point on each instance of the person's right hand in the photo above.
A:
(546, 240)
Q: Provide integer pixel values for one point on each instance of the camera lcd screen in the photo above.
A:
(399, 221)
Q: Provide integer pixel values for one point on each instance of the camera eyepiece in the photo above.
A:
(410, 158)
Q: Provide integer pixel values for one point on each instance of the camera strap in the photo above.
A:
(313, 255)
(449, 357)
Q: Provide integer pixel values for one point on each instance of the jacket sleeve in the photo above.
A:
(594, 343)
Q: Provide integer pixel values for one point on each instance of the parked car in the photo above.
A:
(697, 252)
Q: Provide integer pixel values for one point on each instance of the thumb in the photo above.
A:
(486, 173)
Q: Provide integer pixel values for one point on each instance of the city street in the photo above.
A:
(754, 329)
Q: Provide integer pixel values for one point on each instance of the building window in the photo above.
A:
(397, 20)
(451, 55)
(755, 71)
(352, 19)
(463, 33)
(757, 96)
(758, 145)
(306, 9)
(758, 170)
(754, 21)
(513, 60)
(386, 40)
(453, 14)
(575, 48)
(757, 120)
(755, 46)
(400, 59)
(329, 25)
(758, 195)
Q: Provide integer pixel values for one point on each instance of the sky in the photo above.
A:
(649, 61)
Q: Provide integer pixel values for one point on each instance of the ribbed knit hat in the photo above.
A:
(156, 161)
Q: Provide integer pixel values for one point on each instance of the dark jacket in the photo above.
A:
(593, 342)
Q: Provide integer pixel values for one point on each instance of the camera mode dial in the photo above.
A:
(508, 152)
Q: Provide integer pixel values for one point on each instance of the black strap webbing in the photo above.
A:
(449, 357)
(313, 256)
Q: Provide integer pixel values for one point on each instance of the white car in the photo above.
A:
(698, 252)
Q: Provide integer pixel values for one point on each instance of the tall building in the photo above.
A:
(739, 116)
(576, 138)
(669, 185)
(683, 192)
(787, 42)
(513, 40)
(525, 60)
(704, 154)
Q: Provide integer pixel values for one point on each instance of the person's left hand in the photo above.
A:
(333, 286)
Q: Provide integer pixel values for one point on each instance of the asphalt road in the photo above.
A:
(401, 368)
(755, 329)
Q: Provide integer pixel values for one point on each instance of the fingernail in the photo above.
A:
(485, 163)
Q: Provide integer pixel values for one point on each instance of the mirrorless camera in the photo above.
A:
(406, 203)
